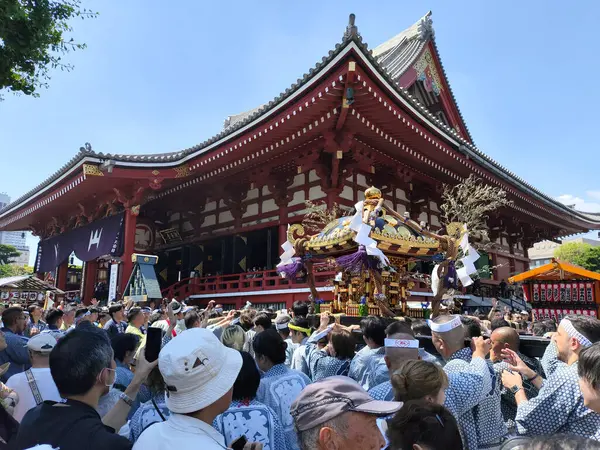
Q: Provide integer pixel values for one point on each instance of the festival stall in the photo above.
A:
(559, 288)
(371, 251)
(27, 289)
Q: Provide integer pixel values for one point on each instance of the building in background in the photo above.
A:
(15, 238)
(542, 252)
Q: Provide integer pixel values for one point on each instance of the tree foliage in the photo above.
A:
(12, 270)
(580, 254)
(8, 253)
(33, 40)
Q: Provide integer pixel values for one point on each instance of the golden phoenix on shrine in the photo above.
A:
(371, 251)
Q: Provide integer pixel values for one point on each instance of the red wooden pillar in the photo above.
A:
(129, 247)
(89, 281)
(61, 276)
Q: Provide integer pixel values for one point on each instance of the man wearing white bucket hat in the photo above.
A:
(199, 373)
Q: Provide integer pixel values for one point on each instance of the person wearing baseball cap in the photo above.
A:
(35, 385)
(199, 373)
(336, 412)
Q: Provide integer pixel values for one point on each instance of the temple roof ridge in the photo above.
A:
(421, 30)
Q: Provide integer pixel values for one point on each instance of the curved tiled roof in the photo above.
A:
(241, 120)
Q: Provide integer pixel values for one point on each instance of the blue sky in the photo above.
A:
(162, 76)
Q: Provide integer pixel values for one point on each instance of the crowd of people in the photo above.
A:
(84, 377)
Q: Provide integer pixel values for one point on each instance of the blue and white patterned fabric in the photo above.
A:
(481, 425)
(558, 407)
(123, 375)
(289, 351)
(383, 391)
(147, 415)
(254, 420)
(278, 389)
(368, 367)
(509, 404)
(321, 365)
(300, 358)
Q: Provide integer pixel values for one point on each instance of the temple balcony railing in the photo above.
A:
(241, 282)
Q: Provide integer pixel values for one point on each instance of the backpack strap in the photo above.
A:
(34, 387)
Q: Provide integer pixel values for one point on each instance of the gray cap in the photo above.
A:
(329, 398)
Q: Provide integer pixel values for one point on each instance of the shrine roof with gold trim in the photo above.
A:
(386, 61)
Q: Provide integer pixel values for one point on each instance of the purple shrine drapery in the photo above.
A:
(99, 238)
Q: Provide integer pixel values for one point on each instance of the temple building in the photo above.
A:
(216, 214)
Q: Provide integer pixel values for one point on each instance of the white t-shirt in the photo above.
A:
(45, 383)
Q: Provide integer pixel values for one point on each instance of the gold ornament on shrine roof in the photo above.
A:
(92, 170)
(182, 171)
(372, 193)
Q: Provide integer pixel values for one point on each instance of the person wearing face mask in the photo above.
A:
(83, 369)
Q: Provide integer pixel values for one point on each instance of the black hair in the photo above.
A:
(11, 315)
(589, 365)
(420, 326)
(94, 310)
(32, 308)
(263, 320)
(300, 309)
(301, 322)
(53, 316)
(80, 312)
(499, 323)
(271, 345)
(586, 325)
(426, 424)
(373, 328)
(248, 379)
(122, 343)
(538, 329)
(77, 360)
(399, 327)
(133, 313)
(562, 442)
(550, 325)
(473, 329)
(115, 307)
(190, 318)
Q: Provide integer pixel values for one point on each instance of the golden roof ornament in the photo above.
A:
(372, 193)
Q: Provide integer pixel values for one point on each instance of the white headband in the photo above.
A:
(571, 331)
(282, 326)
(444, 327)
(87, 313)
(318, 336)
(402, 343)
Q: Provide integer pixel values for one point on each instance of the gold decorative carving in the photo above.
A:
(182, 171)
(155, 172)
(92, 170)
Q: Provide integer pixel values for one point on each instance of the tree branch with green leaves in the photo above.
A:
(33, 40)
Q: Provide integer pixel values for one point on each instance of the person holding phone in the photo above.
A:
(199, 373)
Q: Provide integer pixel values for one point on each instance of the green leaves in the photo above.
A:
(7, 253)
(581, 254)
(31, 37)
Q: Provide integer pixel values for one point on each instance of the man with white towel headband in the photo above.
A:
(559, 406)
(475, 406)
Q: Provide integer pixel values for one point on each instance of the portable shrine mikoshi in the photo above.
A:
(371, 251)
(558, 289)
